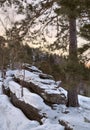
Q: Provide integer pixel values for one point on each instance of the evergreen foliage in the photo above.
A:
(85, 31)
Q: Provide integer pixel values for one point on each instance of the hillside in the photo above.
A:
(42, 103)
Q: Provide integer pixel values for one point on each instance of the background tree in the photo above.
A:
(2, 55)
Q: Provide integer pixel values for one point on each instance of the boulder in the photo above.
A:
(30, 112)
(52, 98)
(6, 91)
(45, 76)
(66, 125)
(32, 69)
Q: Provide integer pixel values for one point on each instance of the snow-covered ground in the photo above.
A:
(12, 118)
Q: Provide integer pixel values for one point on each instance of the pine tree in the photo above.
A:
(72, 10)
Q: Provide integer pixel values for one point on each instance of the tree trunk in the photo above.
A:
(72, 97)
(73, 62)
(72, 39)
(2, 68)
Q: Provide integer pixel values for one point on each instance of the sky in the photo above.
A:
(8, 18)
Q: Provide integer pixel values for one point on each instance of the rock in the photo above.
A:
(86, 120)
(68, 128)
(32, 69)
(43, 85)
(6, 91)
(66, 124)
(30, 112)
(52, 98)
(45, 76)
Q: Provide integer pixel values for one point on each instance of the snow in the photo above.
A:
(76, 118)
(49, 85)
(9, 73)
(12, 118)
(28, 97)
(84, 101)
(7, 81)
(0, 88)
(49, 126)
(35, 69)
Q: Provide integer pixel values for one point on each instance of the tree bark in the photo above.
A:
(72, 98)
(73, 62)
(72, 39)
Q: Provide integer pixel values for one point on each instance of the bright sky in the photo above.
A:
(8, 18)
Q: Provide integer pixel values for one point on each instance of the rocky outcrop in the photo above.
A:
(31, 112)
(52, 98)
